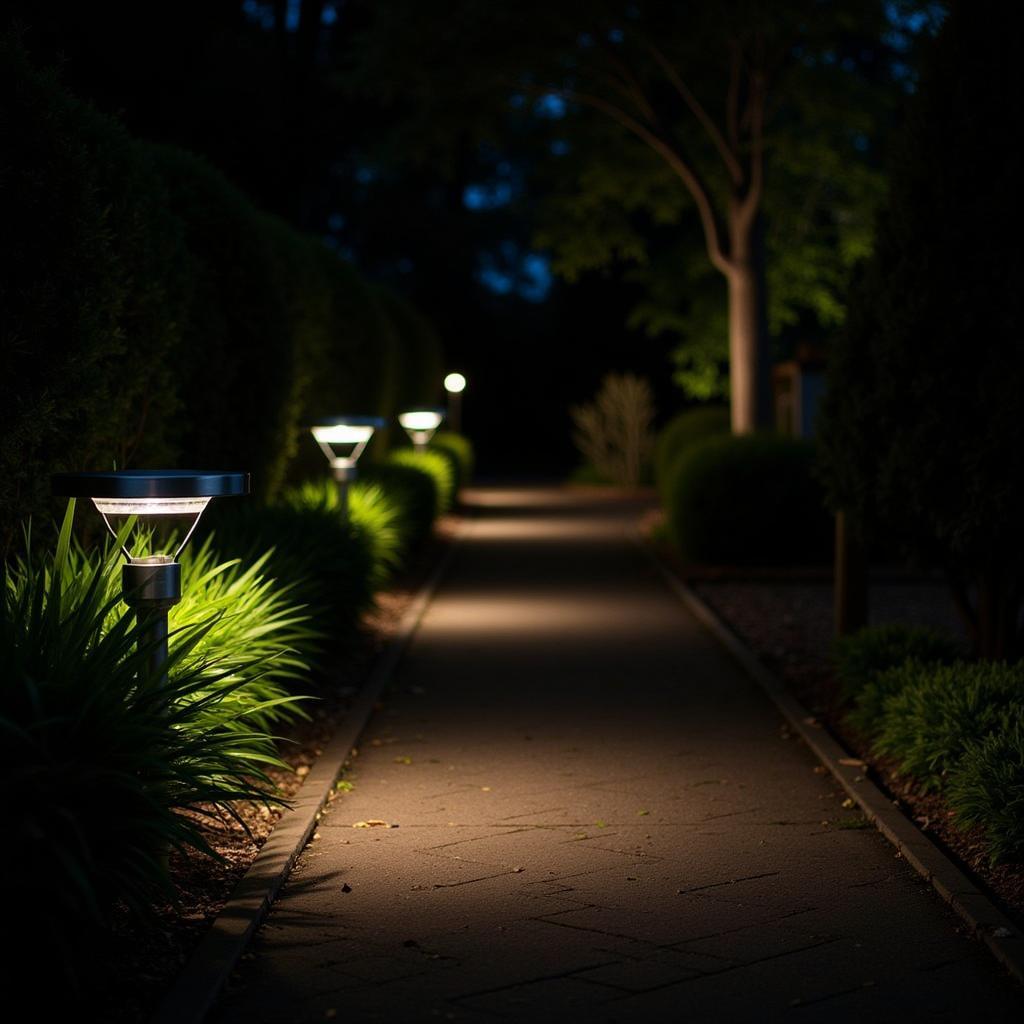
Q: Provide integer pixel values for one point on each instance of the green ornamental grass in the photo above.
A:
(939, 711)
(986, 788)
(103, 756)
(434, 465)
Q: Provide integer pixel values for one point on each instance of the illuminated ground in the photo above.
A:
(599, 819)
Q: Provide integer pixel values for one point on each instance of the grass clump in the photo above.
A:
(104, 756)
(461, 450)
(987, 787)
(936, 712)
(434, 465)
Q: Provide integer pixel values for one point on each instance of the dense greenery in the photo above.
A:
(460, 449)
(438, 467)
(150, 314)
(682, 431)
(950, 725)
(921, 431)
(726, 496)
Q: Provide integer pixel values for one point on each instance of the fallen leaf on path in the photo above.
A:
(517, 870)
(403, 760)
(302, 771)
(848, 803)
(853, 762)
(601, 824)
(372, 823)
(344, 786)
(485, 789)
(643, 813)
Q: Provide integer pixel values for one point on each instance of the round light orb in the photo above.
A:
(454, 383)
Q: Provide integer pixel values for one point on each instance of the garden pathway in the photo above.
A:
(599, 818)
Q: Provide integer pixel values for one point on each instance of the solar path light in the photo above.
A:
(151, 583)
(343, 439)
(455, 384)
(420, 425)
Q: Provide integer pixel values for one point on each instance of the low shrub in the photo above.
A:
(461, 449)
(103, 757)
(748, 500)
(437, 467)
(415, 493)
(862, 656)
(936, 712)
(986, 788)
(375, 518)
(327, 565)
(683, 431)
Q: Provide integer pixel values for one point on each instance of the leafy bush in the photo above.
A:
(613, 433)
(681, 432)
(414, 491)
(432, 464)
(375, 519)
(870, 651)
(102, 756)
(748, 500)
(461, 449)
(986, 788)
(326, 565)
(936, 712)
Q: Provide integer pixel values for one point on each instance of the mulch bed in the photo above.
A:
(788, 624)
(148, 960)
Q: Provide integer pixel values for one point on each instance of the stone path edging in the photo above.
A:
(210, 965)
(1003, 938)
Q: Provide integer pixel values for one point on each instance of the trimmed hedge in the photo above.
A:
(683, 431)
(415, 492)
(749, 500)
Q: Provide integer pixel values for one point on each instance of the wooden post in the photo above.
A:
(851, 580)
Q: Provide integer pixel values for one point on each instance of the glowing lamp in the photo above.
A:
(151, 584)
(420, 424)
(455, 384)
(343, 439)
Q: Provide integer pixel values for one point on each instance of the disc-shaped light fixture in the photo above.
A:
(420, 424)
(343, 439)
(455, 383)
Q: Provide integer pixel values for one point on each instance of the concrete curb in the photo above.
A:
(986, 921)
(210, 966)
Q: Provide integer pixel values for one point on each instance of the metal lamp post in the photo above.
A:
(343, 439)
(455, 384)
(420, 425)
(151, 584)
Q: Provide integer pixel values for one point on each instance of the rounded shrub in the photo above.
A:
(749, 500)
(461, 449)
(435, 465)
(415, 494)
(937, 712)
(683, 431)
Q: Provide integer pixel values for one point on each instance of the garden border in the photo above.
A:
(208, 969)
(985, 920)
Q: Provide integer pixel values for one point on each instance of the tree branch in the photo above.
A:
(732, 104)
(682, 167)
(752, 199)
(732, 164)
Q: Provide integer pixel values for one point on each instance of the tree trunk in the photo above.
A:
(749, 348)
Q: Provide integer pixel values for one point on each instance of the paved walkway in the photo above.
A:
(599, 818)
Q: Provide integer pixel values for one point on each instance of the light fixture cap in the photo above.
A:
(154, 484)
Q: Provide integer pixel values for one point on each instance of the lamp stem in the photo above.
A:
(343, 476)
(152, 586)
(455, 411)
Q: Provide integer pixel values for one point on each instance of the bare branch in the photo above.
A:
(682, 167)
(732, 164)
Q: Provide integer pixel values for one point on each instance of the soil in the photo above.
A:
(148, 960)
(788, 624)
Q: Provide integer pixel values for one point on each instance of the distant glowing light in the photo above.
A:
(420, 424)
(343, 439)
(454, 383)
